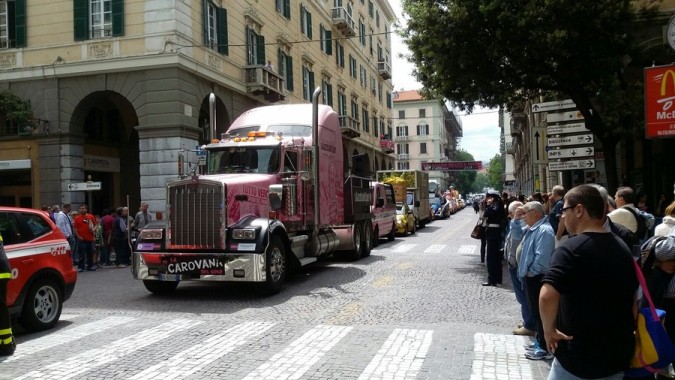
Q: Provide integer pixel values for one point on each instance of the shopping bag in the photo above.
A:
(478, 231)
(653, 348)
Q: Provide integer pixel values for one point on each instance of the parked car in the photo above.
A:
(43, 276)
(405, 219)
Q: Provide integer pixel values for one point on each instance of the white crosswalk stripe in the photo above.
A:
(400, 357)
(403, 248)
(499, 356)
(435, 248)
(67, 336)
(300, 355)
(81, 363)
(195, 358)
(467, 249)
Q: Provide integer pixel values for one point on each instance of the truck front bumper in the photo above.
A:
(189, 266)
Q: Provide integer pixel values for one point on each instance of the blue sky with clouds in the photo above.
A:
(481, 128)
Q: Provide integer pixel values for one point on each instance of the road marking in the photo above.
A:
(301, 354)
(402, 248)
(68, 317)
(498, 356)
(382, 281)
(189, 361)
(401, 356)
(75, 366)
(435, 248)
(66, 336)
(467, 249)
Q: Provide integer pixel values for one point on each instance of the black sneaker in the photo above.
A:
(8, 349)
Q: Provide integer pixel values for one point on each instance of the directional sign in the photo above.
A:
(448, 166)
(570, 140)
(583, 151)
(563, 129)
(554, 105)
(571, 165)
(84, 186)
(564, 117)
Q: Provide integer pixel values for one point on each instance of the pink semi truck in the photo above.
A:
(275, 196)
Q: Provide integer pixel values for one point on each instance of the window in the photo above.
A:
(98, 19)
(371, 8)
(327, 91)
(403, 165)
(365, 118)
(363, 76)
(12, 24)
(370, 40)
(362, 31)
(352, 67)
(355, 108)
(389, 101)
(305, 21)
(422, 130)
(255, 46)
(401, 114)
(284, 7)
(423, 148)
(377, 18)
(423, 112)
(402, 148)
(339, 54)
(307, 82)
(402, 130)
(326, 40)
(286, 69)
(342, 102)
(386, 31)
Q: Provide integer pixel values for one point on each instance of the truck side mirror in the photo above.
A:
(380, 202)
(275, 196)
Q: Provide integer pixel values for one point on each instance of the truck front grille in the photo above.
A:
(196, 215)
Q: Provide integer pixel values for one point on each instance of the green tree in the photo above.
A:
(480, 183)
(495, 52)
(14, 112)
(495, 172)
(464, 179)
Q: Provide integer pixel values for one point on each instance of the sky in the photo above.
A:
(481, 128)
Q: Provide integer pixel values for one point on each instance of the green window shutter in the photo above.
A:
(330, 95)
(117, 18)
(311, 83)
(81, 20)
(222, 31)
(309, 25)
(322, 38)
(302, 18)
(260, 49)
(205, 21)
(289, 74)
(329, 45)
(19, 22)
(287, 9)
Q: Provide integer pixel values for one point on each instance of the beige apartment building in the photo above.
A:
(119, 89)
(424, 131)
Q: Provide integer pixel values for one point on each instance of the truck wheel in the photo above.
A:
(160, 287)
(376, 237)
(367, 238)
(392, 234)
(42, 308)
(275, 266)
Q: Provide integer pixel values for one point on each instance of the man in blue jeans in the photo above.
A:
(511, 245)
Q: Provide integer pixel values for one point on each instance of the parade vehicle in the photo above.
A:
(405, 220)
(42, 272)
(414, 190)
(384, 212)
(275, 196)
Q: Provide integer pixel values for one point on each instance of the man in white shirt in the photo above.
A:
(65, 225)
(624, 197)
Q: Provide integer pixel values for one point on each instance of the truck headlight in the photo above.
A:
(243, 234)
(150, 234)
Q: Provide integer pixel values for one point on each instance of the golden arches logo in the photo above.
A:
(664, 80)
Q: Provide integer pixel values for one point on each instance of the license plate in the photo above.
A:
(169, 277)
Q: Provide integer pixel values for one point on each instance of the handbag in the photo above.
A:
(478, 230)
(653, 348)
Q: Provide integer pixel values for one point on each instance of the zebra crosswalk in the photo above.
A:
(155, 347)
(433, 248)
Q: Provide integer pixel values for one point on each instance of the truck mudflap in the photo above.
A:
(236, 267)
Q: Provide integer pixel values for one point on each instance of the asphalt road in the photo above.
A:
(414, 309)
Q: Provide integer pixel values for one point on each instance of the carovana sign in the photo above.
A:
(659, 101)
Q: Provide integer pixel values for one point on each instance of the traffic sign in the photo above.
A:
(570, 140)
(84, 186)
(571, 165)
(564, 117)
(554, 105)
(583, 151)
(562, 129)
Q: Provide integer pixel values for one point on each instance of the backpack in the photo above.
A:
(647, 256)
(641, 224)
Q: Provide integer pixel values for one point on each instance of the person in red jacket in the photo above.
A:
(84, 226)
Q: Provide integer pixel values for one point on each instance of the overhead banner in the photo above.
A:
(659, 101)
(450, 166)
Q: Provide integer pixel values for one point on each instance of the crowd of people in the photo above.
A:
(99, 241)
(570, 257)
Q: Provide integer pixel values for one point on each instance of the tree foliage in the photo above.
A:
(495, 172)
(13, 110)
(494, 52)
(464, 179)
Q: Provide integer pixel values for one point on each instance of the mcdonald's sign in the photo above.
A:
(660, 101)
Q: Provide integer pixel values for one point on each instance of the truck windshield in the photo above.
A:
(252, 159)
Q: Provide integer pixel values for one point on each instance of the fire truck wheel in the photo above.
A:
(43, 305)
(367, 238)
(392, 234)
(376, 237)
(160, 287)
(275, 266)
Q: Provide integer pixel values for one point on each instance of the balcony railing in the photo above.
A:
(349, 126)
(263, 81)
(343, 21)
(384, 69)
(402, 138)
(403, 156)
(387, 145)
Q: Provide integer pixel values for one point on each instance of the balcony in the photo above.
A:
(343, 22)
(402, 138)
(349, 126)
(403, 156)
(265, 82)
(509, 148)
(384, 69)
(387, 145)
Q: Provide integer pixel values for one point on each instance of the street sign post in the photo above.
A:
(553, 106)
(571, 165)
(570, 140)
(563, 129)
(84, 186)
(564, 117)
(583, 151)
